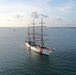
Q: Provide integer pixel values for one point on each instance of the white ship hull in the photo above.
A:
(38, 49)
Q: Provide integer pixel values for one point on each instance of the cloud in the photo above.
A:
(43, 1)
(58, 19)
(18, 16)
(9, 20)
(65, 9)
(35, 15)
(47, 8)
(20, 10)
(45, 16)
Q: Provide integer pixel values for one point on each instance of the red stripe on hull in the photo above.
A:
(41, 50)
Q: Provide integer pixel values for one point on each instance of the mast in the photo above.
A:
(28, 33)
(42, 32)
(33, 32)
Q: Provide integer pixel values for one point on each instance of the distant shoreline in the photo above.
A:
(64, 27)
(44, 27)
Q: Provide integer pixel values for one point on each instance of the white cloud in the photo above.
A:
(67, 8)
(18, 12)
(35, 15)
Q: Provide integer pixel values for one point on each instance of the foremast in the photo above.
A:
(29, 33)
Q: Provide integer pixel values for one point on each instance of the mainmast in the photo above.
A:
(42, 32)
(33, 32)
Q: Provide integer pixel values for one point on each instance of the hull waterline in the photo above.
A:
(38, 49)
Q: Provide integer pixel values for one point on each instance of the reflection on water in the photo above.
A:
(36, 55)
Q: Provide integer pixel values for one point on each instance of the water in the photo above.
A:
(15, 59)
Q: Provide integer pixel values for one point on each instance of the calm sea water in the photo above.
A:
(15, 59)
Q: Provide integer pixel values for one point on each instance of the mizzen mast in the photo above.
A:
(41, 45)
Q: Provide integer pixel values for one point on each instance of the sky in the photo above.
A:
(55, 13)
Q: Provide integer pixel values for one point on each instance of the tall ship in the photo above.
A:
(32, 39)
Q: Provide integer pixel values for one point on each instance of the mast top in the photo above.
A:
(33, 22)
(42, 21)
